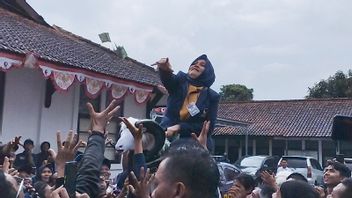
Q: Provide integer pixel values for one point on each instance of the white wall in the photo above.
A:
(132, 108)
(61, 115)
(24, 93)
(24, 111)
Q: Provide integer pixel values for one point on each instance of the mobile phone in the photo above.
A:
(342, 128)
(70, 178)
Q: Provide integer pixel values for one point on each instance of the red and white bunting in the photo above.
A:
(118, 91)
(93, 86)
(141, 96)
(63, 80)
(7, 63)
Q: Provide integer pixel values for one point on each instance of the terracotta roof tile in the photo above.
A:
(21, 35)
(286, 118)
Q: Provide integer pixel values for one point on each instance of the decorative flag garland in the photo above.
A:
(63, 78)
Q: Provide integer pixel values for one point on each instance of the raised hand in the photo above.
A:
(65, 153)
(140, 189)
(173, 130)
(268, 179)
(163, 64)
(60, 192)
(203, 136)
(99, 120)
(136, 132)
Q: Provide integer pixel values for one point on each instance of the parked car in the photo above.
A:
(220, 158)
(307, 166)
(228, 173)
(252, 164)
(348, 163)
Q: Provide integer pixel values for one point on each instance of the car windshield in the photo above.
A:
(296, 162)
(254, 161)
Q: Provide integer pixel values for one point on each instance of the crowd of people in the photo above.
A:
(185, 170)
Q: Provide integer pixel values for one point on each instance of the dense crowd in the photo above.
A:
(185, 170)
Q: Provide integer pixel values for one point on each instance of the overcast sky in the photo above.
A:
(277, 47)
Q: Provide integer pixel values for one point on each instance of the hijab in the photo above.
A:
(207, 78)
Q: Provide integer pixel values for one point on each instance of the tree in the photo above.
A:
(236, 92)
(336, 86)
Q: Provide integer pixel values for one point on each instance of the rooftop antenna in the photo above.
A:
(119, 50)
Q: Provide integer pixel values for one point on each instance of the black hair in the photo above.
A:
(247, 181)
(107, 163)
(188, 162)
(297, 176)
(342, 168)
(26, 168)
(28, 141)
(297, 189)
(348, 191)
(6, 188)
(42, 145)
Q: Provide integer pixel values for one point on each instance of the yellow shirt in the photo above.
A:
(192, 97)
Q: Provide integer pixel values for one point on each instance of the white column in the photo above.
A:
(240, 150)
(103, 100)
(286, 147)
(75, 112)
(338, 147)
(246, 142)
(303, 145)
(320, 152)
(254, 148)
(270, 147)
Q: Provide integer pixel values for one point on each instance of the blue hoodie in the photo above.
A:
(207, 103)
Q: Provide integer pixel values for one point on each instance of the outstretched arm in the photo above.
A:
(88, 172)
(167, 77)
(138, 157)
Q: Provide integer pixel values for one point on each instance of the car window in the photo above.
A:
(315, 164)
(222, 176)
(230, 173)
(296, 162)
(269, 163)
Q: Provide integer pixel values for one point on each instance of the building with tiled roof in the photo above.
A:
(281, 127)
(48, 73)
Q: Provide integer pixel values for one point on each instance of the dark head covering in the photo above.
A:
(28, 141)
(42, 145)
(40, 170)
(207, 78)
(107, 163)
(297, 189)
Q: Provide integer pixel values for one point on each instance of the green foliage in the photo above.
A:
(337, 86)
(236, 92)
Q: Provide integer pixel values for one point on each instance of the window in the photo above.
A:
(2, 94)
(83, 115)
(230, 173)
(84, 121)
(296, 162)
(315, 164)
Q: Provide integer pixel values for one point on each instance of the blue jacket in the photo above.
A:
(207, 103)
